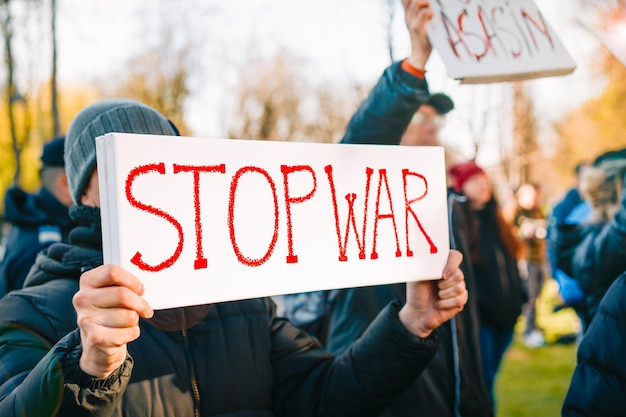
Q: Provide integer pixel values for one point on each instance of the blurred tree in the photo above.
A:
(391, 12)
(158, 77)
(525, 144)
(54, 99)
(161, 73)
(334, 107)
(23, 129)
(599, 124)
(269, 97)
(273, 102)
(12, 96)
(73, 99)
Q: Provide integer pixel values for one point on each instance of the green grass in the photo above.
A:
(534, 382)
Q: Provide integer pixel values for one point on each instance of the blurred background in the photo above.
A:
(296, 70)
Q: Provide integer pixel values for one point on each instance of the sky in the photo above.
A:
(340, 41)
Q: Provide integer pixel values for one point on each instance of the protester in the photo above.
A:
(423, 130)
(37, 220)
(594, 252)
(400, 110)
(79, 339)
(598, 386)
(493, 251)
(572, 209)
(531, 224)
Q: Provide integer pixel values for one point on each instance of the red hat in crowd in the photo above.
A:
(462, 172)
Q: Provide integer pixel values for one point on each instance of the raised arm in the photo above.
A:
(384, 115)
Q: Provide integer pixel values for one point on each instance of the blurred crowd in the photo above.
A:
(77, 338)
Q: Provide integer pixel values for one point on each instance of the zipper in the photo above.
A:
(192, 371)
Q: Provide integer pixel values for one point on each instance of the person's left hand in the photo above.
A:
(429, 304)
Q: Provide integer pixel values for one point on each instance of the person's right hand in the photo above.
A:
(108, 305)
(417, 14)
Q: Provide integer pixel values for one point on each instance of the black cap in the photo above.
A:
(441, 103)
(52, 155)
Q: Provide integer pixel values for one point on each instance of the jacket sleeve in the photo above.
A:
(362, 381)
(39, 375)
(353, 309)
(384, 115)
(598, 385)
(55, 385)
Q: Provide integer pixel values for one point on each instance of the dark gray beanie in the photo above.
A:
(106, 116)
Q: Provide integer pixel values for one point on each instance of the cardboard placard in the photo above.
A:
(484, 41)
(210, 220)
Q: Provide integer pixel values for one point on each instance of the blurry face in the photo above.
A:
(478, 191)
(424, 128)
(91, 197)
(527, 196)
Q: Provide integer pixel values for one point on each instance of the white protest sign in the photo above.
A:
(210, 220)
(483, 41)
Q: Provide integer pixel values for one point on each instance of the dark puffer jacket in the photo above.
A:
(37, 221)
(598, 386)
(228, 359)
(594, 255)
(452, 384)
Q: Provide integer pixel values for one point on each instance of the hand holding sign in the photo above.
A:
(108, 306)
(429, 304)
(201, 221)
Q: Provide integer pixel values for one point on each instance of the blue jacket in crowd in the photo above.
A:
(37, 221)
(595, 255)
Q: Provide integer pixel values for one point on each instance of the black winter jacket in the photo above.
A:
(452, 384)
(228, 359)
(598, 386)
(37, 221)
(594, 255)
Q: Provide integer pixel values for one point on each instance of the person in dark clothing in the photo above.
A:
(37, 220)
(532, 229)
(594, 252)
(80, 340)
(598, 385)
(400, 111)
(571, 209)
(492, 251)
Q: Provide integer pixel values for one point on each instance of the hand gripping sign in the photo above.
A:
(211, 220)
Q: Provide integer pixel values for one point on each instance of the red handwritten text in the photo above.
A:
(384, 210)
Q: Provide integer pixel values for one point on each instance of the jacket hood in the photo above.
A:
(25, 209)
(84, 252)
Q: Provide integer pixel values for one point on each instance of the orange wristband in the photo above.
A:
(419, 73)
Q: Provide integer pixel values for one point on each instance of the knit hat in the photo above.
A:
(462, 172)
(106, 116)
(52, 155)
